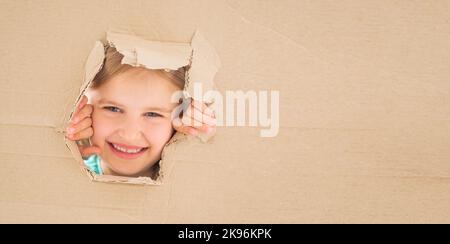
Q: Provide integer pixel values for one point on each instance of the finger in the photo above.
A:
(83, 102)
(195, 131)
(210, 129)
(84, 134)
(192, 131)
(85, 123)
(180, 127)
(205, 110)
(202, 108)
(186, 130)
(85, 112)
(192, 117)
(206, 120)
(196, 119)
(177, 123)
(204, 129)
(211, 121)
(88, 151)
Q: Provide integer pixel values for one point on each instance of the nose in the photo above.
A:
(131, 131)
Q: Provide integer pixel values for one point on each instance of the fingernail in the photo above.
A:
(71, 130)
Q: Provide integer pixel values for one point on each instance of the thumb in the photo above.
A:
(177, 123)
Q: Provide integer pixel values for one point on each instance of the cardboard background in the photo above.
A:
(364, 111)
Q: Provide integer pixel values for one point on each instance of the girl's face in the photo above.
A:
(132, 120)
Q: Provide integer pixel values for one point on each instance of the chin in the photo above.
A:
(128, 173)
(123, 168)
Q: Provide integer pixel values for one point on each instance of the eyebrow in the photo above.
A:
(160, 109)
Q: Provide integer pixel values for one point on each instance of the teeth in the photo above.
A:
(126, 150)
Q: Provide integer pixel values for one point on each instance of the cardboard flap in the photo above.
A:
(150, 54)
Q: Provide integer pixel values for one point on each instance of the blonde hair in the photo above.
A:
(112, 66)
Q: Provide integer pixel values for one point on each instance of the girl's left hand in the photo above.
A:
(196, 118)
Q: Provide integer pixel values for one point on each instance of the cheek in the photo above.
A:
(159, 133)
(102, 127)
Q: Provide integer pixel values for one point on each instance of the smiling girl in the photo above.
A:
(126, 113)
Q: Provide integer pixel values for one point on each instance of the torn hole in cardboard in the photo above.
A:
(198, 55)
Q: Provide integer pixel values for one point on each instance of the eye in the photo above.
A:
(112, 109)
(152, 114)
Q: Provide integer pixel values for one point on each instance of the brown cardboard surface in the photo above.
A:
(364, 113)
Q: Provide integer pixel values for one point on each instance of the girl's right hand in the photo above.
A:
(81, 128)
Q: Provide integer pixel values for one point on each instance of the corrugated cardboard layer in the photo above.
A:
(364, 113)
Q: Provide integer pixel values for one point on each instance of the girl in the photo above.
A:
(128, 118)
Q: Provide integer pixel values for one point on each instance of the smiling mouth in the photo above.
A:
(127, 152)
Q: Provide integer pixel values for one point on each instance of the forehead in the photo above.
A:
(139, 85)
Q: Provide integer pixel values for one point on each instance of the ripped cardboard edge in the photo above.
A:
(138, 52)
